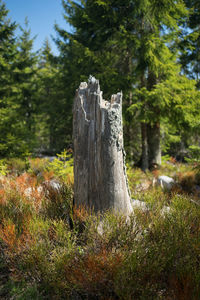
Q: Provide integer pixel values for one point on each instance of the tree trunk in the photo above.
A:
(145, 160)
(154, 144)
(100, 180)
(153, 128)
(144, 136)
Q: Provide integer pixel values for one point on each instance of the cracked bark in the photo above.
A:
(100, 180)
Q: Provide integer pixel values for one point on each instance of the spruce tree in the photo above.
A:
(132, 46)
(56, 84)
(26, 83)
(10, 125)
(47, 117)
(190, 42)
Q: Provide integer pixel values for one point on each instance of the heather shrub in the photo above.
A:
(164, 256)
(23, 291)
(38, 165)
(187, 180)
(92, 274)
(58, 200)
(14, 206)
(45, 260)
(3, 167)
(197, 173)
(17, 165)
(54, 250)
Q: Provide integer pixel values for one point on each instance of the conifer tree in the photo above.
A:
(47, 117)
(26, 72)
(9, 123)
(26, 83)
(56, 107)
(190, 42)
(139, 39)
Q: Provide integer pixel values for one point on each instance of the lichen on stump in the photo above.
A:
(100, 181)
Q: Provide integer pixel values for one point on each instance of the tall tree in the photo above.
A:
(87, 51)
(25, 80)
(57, 85)
(190, 42)
(48, 117)
(10, 125)
(130, 45)
(18, 88)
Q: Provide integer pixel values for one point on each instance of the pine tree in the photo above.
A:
(84, 53)
(132, 46)
(25, 80)
(9, 123)
(47, 117)
(56, 106)
(190, 42)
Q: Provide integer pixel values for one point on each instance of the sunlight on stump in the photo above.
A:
(100, 180)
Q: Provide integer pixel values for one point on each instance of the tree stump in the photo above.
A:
(100, 180)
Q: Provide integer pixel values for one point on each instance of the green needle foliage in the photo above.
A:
(190, 42)
(7, 88)
(17, 89)
(149, 50)
(132, 46)
(25, 77)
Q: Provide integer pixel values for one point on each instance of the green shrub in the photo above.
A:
(17, 165)
(62, 166)
(152, 254)
(38, 165)
(3, 168)
(52, 247)
(21, 290)
(136, 177)
(164, 256)
(194, 154)
(58, 201)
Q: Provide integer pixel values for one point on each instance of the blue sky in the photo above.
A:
(42, 15)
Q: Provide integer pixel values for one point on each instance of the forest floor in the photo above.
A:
(52, 250)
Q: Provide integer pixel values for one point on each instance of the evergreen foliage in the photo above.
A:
(147, 49)
(132, 46)
(25, 78)
(7, 90)
(18, 89)
(47, 107)
(190, 42)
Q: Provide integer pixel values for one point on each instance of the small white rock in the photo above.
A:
(53, 184)
(139, 204)
(165, 182)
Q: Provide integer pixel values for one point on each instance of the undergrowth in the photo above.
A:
(53, 250)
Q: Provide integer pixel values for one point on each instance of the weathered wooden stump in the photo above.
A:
(100, 180)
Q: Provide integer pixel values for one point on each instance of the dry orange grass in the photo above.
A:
(182, 287)
(24, 189)
(80, 213)
(95, 272)
(187, 180)
(8, 234)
